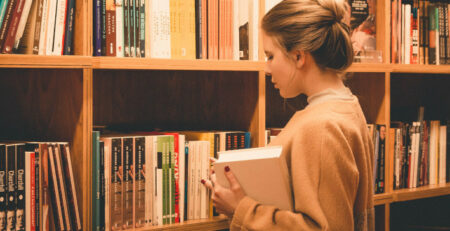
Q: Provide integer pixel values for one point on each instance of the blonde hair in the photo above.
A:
(314, 26)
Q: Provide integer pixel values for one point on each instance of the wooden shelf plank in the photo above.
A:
(384, 198)
(422, 192)
(216, 223)
(171, 64)
(369, 67)
(414, 68)
(40, 61)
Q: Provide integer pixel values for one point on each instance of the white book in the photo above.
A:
(182, 168)
(204, 155)
(147, 28)
(235, 29)
(407, 33)
(60, 26)
(160, 29)
(262, 173)
(119, 28)
(22, 22)
(442, 154)
(191, 174)
(253, 27)
(433, 154)
(43, 33)
(197, 178)
(51, 26)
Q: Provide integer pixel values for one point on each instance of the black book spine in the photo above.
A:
(3, 180)
(140, 203)
(36, 193)
(116, 185)
(68, 37)
(103, 27)
(11, 187)
(127, 182)
(198, 31)
(20, 194)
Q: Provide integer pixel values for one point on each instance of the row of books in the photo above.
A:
(31, 176)
(43, 27)
(420, 32)
(177, 29)
(420, 153)
(153, 178)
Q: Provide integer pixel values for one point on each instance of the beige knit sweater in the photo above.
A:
(329, 154)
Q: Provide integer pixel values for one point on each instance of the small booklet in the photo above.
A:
(262, 173)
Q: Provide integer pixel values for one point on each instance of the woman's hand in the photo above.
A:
(224, 199)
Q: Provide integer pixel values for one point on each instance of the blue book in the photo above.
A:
(97, 28)
(3, 4)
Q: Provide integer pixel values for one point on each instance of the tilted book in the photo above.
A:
(261, 172)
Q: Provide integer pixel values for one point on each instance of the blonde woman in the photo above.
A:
(326, 145)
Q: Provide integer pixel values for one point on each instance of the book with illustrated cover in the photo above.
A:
(262, 173)
(362, 26)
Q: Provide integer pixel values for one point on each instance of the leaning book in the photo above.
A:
(262, 173)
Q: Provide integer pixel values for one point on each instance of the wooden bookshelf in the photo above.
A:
(62, 98)
(217, 223)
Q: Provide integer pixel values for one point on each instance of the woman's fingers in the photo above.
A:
(208, 184)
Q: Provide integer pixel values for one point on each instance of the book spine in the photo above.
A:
(142, 28)
(58, 43)
(37, 28)
(442, 48)
(102, 186)
(447, 32)
(25, 42)
(159, 188)
(6, 21)
(103, 27)
(59, 148)
(96, 181)
(132, 27)
(173, 212)
(51, 25)
(71, 189)
(20, 187)
(3, 178)
(198, 29)
(126, 31)
(10, 36)
(68, 38)
(3, 5)
(119, 28)
(415, 37)
(140, 181)
(137, 28)
(149, 174)
(110, 28)
(97, 28)
(116, 208)
(127, 183)
(32, 191)
(22, 23)
(243, 30)
(55, 197)
(11, 185)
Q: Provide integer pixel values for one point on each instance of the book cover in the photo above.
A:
(363, 26)
(116, 193)
(55, 194)
(68, 34)
(262, 173)
(62, 184)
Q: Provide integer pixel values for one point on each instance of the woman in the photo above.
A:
(326, 146)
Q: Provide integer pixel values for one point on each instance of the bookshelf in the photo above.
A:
(62, 98)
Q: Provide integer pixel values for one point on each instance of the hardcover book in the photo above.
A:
(262, 173)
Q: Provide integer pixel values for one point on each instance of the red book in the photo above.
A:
(12, 30)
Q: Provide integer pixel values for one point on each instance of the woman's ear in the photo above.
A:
(300, 59)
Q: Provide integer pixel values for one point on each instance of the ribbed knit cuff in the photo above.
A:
(244, 206)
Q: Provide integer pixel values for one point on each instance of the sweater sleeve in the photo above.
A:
(320, 160)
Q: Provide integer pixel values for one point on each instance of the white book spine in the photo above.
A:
(235, 30)
(51, 26)
(442, 154)
(119, 28)
(159, 29)
(43, 34)
(253, 29)
(191, 173)
(203, 199)
(397, 157)
(407, 33)
(205, 174)
(197, 186)
(416, 158)
(432, 151)
(403, 35)
(60, 25)
(22, 22)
